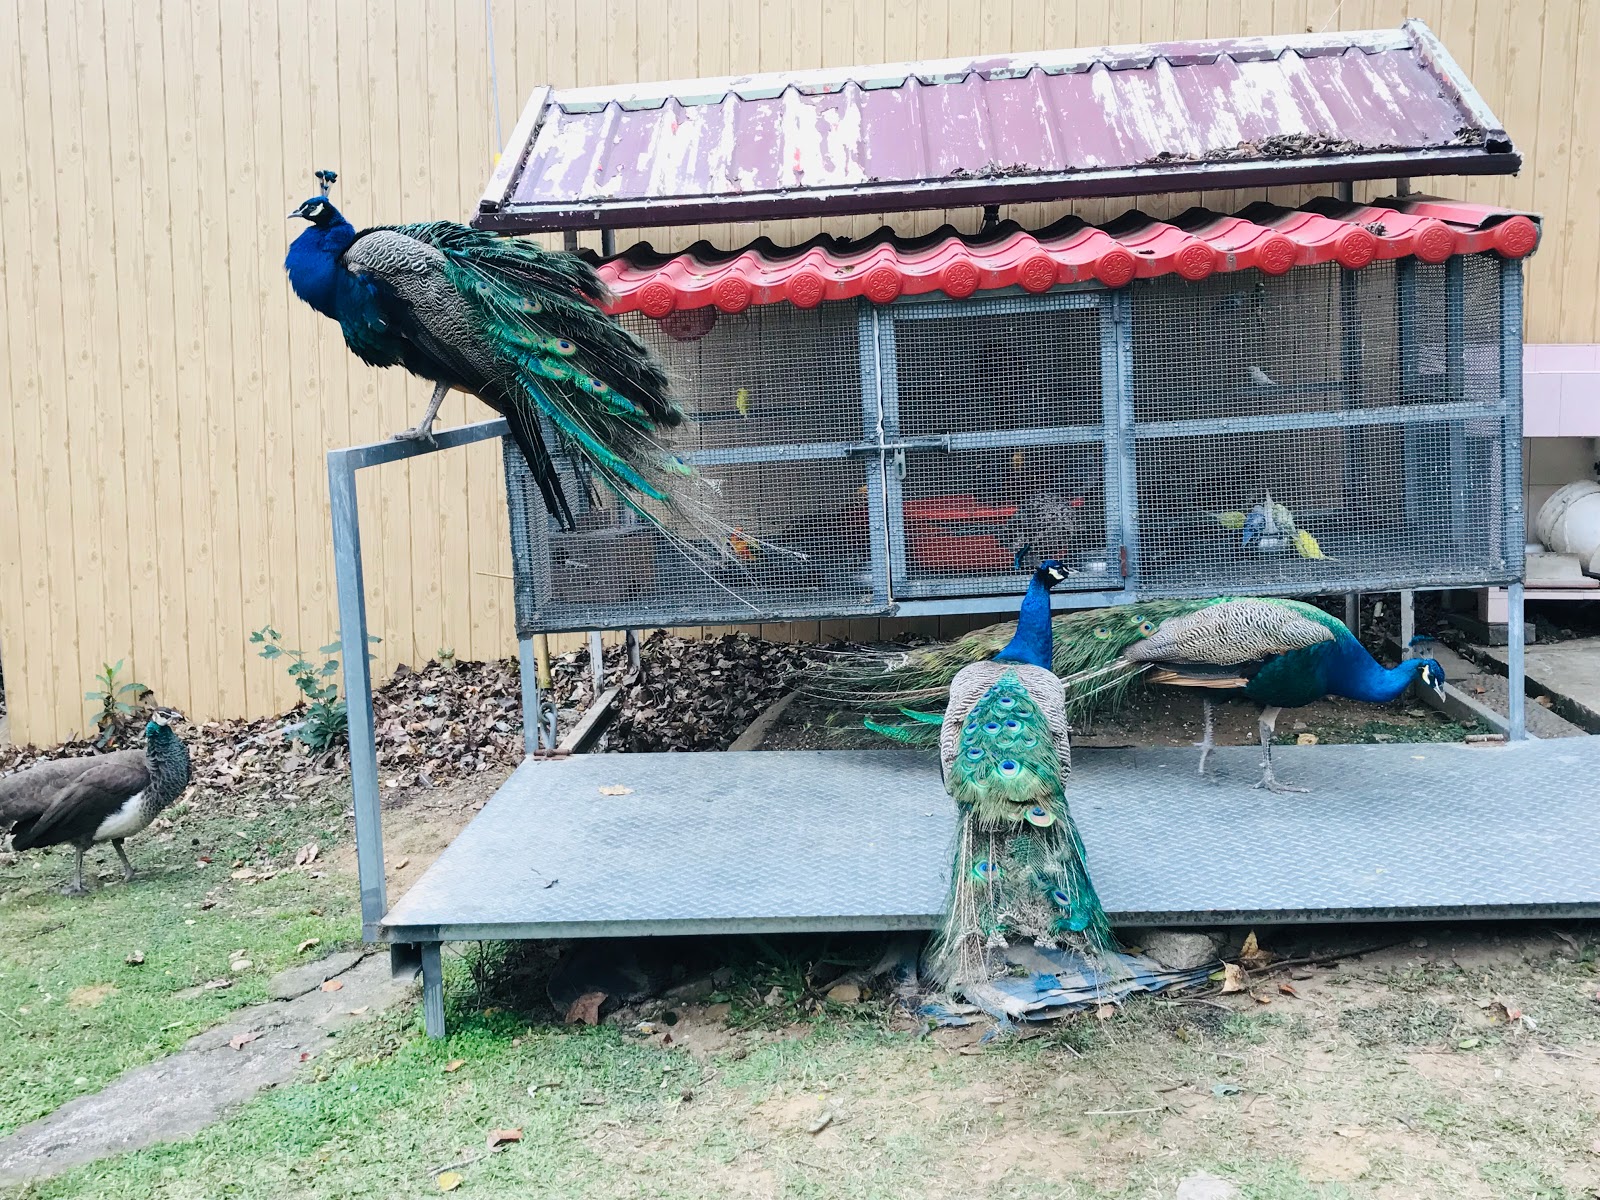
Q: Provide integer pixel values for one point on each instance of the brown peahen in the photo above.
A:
(104, 798)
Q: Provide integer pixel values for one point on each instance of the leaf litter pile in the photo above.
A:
(443, 723)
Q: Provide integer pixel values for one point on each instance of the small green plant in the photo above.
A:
(327, 720)
(447, 658)
(118, 701)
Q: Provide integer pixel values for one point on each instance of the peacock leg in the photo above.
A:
(422, 431)
(76, 887)
(127, 867)
(1269, 719)
(1208, 743)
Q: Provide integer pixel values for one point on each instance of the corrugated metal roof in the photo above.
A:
(1194, 245)
(1122, 120)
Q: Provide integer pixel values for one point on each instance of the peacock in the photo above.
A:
(1005, 752)
(1280, 653)
(103, 798)
(1046, 524)
(519, 327)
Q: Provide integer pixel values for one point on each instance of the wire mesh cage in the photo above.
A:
(1320, 430)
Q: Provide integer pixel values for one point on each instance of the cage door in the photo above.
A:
(995, 421)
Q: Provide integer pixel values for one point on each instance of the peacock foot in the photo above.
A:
(129, 874)
(1272, 783)
(74, 889)
(422, 432)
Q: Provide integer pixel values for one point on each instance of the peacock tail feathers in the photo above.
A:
(915, 733)
(1006, 760)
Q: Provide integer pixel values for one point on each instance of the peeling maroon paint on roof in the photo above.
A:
(1194, 245)
(1113, 121)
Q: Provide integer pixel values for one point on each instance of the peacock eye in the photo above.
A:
(1146, 628)
(1101, 632)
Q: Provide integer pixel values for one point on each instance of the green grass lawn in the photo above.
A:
(1395, 1076)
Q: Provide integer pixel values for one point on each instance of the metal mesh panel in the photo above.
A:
(773, 400)
(1364, 408)
(1001, 406)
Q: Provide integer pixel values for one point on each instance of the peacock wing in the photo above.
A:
(77, 808)
(1230, 633)
(25, 794)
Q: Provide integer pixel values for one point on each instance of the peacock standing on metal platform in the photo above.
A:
(519, 327)
(103, 798)
(1005, 752)
(1280, 653)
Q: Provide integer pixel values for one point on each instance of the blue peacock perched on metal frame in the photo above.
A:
(519, 327)
(1278, 652)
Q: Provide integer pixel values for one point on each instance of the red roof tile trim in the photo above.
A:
(1197, 244)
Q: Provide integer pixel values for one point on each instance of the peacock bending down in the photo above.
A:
(519, 327)
(105, 798)
(1004, 752)
(1280, 653)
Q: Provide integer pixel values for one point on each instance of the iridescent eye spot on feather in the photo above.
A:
(1078, 922)
(565, 347)
(1030, 741)
(1007, 701)
(1009, 768)
(1146, 628)
(1062, 900)
(554, 370)
(1101, 632)
(1010, 724)
(1039, 815)
(985, 871)
(975, 754)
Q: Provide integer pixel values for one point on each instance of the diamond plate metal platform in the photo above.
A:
(814, 840)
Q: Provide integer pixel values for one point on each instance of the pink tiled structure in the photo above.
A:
(1561, 390)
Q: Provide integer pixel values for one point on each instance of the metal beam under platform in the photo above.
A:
(772, 841)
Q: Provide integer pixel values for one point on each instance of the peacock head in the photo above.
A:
(318, 211)
(1432, 674)
(1051, 572)
(160, 721)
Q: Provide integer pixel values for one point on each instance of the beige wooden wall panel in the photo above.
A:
(170, 402)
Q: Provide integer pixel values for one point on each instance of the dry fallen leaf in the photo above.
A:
(401, 865)
(616, 789)
(356, 1012)
(307, 854)
(1287, 989)
(1252, 955)
(240, 1040)
(448, 1181)
(332, 985)
(1506, 1010)
(135, 959)
(307, 944)
(585, 1009)
(1260, 999)
(1104, 1012)
(503, 1137)
(247, 873)
(1306, 739)
(454, 1065)
(1232, 978)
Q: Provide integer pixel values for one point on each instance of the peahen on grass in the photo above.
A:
(104, 798)
(1280, 653)
(519, 327)
(1005, 752)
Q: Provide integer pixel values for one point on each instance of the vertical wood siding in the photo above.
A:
(169, 402)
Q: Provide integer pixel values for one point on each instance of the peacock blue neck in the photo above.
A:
(313, 263)
(1358, 676)
(1031, 643)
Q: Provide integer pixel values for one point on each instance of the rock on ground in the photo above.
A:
(177, 1096)
(1202, 1186)
(1181, 949)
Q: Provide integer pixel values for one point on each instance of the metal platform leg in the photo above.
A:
(1516, 684)
(432, 991)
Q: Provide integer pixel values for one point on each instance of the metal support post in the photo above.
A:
(351, 587)
(1516, 683)
(532, 701)
(1346, 191)
(432, 991)
(1408, 621)
(1352, 612)
(635, 660)
(597, 662)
